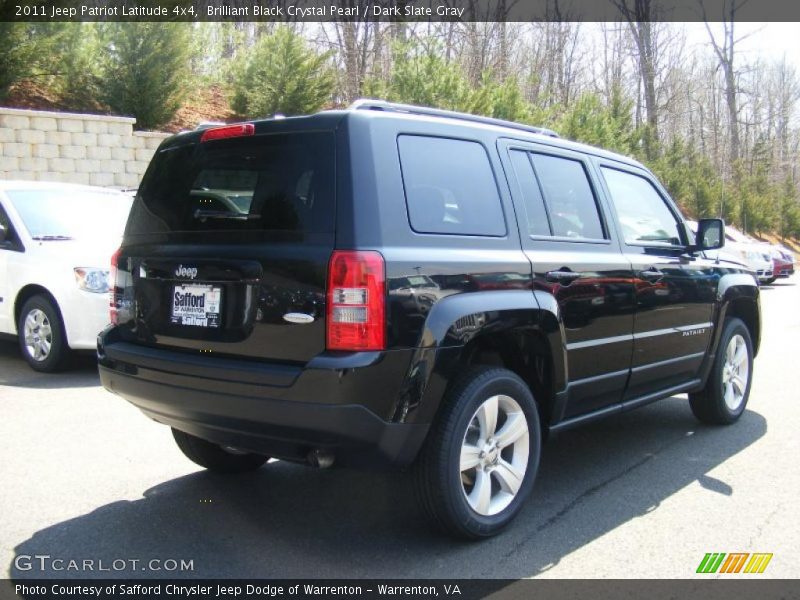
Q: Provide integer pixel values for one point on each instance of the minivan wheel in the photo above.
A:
(480, 459)
(214, 457)
(41, 335)
(727, 390)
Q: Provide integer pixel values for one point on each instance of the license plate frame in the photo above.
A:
(196, 305)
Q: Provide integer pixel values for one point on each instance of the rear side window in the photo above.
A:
(269, 182)
(536, 215)
(570, 199)
(450, 187)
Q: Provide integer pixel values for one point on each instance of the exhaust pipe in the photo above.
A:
(321, 459)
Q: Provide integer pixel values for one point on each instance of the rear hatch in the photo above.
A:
(227, 246)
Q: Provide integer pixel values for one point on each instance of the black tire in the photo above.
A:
(770, 281)
(709, 405)
(439, 481)
(216, 458)
(50, 330)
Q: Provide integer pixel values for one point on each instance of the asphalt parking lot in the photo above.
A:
(646, 494)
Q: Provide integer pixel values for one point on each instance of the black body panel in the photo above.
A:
(261, 281)
(280, 411)
(586, 314)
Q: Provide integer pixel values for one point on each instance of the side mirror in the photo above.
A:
(3, 233)
(710, 234)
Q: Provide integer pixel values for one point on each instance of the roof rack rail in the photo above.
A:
(383, 105)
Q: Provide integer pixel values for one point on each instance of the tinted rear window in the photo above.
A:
(270, 182)
(450, 187)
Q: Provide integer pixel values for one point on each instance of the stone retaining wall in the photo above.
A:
(72, 147)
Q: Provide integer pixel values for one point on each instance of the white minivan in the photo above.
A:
(56, 243)
(757, 254)
(741, 249)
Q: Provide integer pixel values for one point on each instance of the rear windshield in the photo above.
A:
(269, 183)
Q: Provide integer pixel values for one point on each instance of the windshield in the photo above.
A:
(71, 213)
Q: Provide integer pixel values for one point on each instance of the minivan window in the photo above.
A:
(569, 196)
(71, 213)
(281, 182)
(450, 187)
(642, 213)
(535, 212)
(4, 219)
(10, 239)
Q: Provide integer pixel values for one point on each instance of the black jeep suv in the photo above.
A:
(414, 287)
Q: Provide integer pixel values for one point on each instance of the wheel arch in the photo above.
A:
(737, 296)
(525, 352)
(27, 292)
(501, 328)
(748, 311)
(740, 298)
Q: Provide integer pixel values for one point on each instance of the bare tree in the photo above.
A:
(613, 68)
(640, 15)
(783, 90)
(352, 40)
(556, 71)
(485, 39)
(725, 51)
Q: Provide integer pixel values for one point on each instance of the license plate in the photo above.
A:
(196, 305)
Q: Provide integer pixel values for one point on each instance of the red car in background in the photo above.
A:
(782, 263)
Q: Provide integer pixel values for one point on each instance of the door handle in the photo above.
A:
(652, 275)
(562, 277)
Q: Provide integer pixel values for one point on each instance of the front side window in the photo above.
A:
(6, 225)
(643, 214)
(4, 219)
(450, 187)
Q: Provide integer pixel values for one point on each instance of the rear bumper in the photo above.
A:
(281, 411)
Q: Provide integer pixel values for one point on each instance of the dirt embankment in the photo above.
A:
(209, 104)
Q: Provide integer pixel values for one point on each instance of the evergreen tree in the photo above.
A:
(146, 70)
(588, 120)
(283, 75)
(420, 75)
(27, 51)
(508, 103)
(789, 211)
(80, 71)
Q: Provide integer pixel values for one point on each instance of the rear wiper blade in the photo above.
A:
(223, 214)
(49, 238)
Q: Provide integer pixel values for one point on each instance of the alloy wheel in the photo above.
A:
(735, 372)
(494, 455)
(38, 335)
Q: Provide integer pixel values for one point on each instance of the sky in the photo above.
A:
(769, 40)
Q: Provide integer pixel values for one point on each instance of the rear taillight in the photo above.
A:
(356, 301)
(112, 289)
(229, 131)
